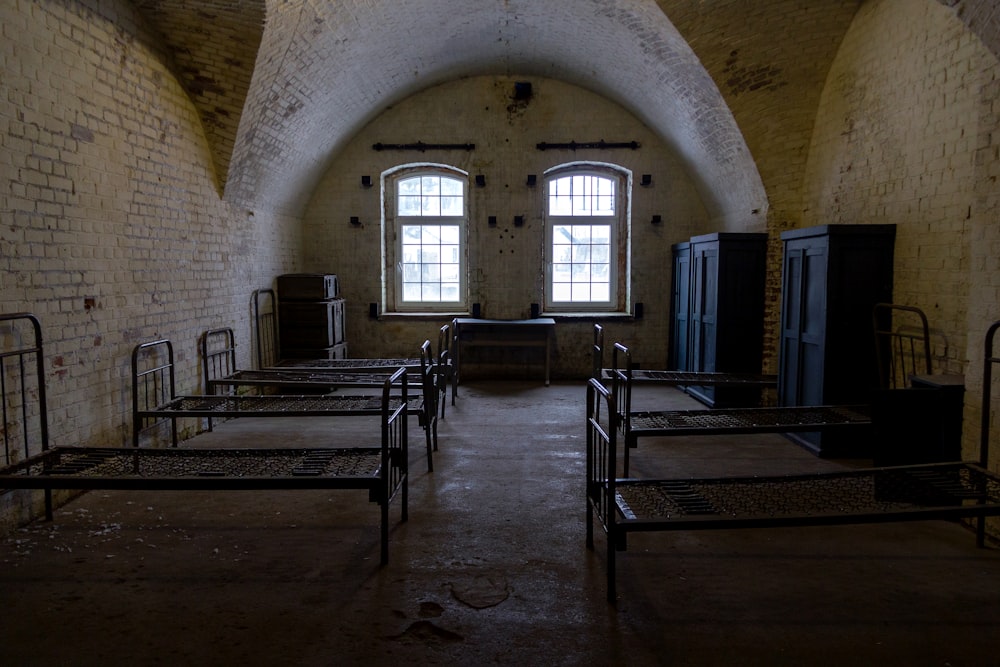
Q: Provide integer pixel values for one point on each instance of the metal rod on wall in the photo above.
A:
(421, 146)
(574, 145)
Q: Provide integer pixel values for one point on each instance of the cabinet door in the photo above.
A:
(803, 325)
(704, 306)
(680, 334)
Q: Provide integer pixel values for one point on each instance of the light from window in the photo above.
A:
(581, 263)
(431, 248)
(434, 196)
(582, 195)
(431, 263)
(581, 248)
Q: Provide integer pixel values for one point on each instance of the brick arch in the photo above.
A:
(325, 69)
(212, 48)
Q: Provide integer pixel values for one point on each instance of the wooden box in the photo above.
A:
(308, 286)
(311, 324)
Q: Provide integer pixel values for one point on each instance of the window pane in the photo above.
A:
(580, 254)
(582, 195)
(430, 206)
(431, 270)
(430, 196)
(562, 273)
(411, 292)
(430, 185)
(451, 206)
(411, 234)
(411, 272)
(431, 255)
(409, 205)
(408, 186)
(449, 254)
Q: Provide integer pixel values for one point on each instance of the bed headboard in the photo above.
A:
(902, 344)
(25, 424)
(265, 319)
(218, 354)
(598, 351)
(153, 383)
(990, 359)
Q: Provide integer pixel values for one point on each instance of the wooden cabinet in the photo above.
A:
(718, 321)
(832, 277)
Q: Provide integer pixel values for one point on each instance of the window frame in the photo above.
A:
(393, 251)
(618, 224)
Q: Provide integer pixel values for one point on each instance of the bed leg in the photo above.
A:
(405, 498)
(612, 592)
(590, 525)
(428, 436)
(384, 532)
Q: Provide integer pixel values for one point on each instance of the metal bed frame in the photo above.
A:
(218, 353)
(902, 348)
(719, 421)
(678, 378)
(266, 326)
(950, 491)
(380, 468)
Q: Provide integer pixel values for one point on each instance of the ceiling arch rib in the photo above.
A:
(212, 45)
(328, 68)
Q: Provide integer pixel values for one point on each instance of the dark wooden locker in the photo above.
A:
(832, 277)
(726, 312)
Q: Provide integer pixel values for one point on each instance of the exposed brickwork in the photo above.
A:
(213, 45)
(121, 120)
(629, 50)
(112, 230)
(906, 135)
(506, 261)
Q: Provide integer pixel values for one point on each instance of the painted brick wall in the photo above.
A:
(906, 135)
(506, 260)
(112, 230)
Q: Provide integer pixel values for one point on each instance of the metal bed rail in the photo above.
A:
(950, 491)
(381, 469)
(719, 421)
(218, 358)
(22, 371)
(677, 378)
(265, 318)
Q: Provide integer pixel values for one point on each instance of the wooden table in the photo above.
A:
(475, 332)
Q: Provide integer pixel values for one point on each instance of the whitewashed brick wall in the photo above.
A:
(112, 230)
(906, 134)
(506, 261)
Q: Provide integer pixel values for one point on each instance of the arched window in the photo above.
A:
(426, 239)
(586, 227)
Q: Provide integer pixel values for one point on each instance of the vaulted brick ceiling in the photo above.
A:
(282, 84)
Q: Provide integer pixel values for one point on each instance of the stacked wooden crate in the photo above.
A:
(311, 317)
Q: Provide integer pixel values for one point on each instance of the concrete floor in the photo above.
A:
(491, 568)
